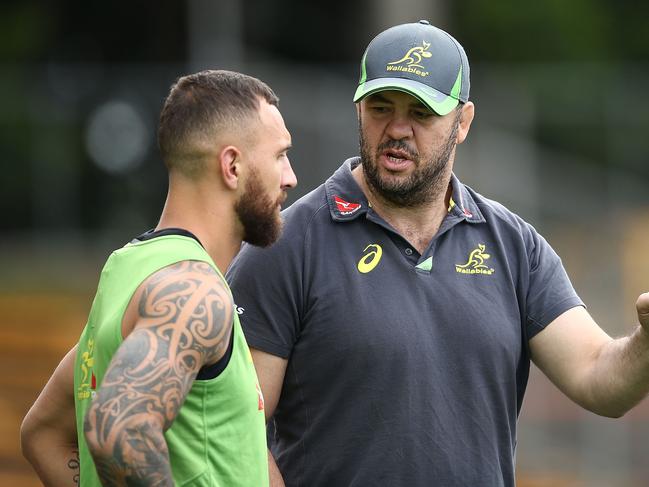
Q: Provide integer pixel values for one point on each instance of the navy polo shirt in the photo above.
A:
(403, 369)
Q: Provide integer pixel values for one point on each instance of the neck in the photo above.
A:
(211, 219)
(418, 224)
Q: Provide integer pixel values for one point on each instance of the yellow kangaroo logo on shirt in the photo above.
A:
(475, 264)
(370, 260)
(413, 56)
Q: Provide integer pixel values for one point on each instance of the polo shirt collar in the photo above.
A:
(462, 204)
(347, 201)
(345, 198)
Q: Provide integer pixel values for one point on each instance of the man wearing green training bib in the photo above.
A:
(161, 388)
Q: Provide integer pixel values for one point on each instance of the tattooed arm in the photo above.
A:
(183, 321)
(48, 434)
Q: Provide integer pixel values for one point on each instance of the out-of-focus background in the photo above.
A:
(561, 136)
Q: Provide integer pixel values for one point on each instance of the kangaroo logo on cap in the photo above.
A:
(413, 59)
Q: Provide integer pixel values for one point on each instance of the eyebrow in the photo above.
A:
(377, 97)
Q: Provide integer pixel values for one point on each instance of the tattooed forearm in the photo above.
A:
(73, 464)
(185, 316)
(140, 458)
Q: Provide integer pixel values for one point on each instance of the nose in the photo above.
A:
(289, 179)
(399, 127)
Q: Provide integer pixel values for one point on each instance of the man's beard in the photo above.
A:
(262, 224)
(426, 182)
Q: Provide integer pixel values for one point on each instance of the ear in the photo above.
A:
(358, 110)
(468, 110)
(229, 165)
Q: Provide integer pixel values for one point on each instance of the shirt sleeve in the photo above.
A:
(266, 285)
(550, 292)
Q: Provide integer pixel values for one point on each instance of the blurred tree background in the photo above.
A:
(593, 50)
(61, 60)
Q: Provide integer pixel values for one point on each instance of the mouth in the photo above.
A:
(395, 159)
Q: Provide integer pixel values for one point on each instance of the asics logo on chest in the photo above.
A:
(371, 259)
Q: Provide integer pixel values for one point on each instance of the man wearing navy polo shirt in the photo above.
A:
(393, 324)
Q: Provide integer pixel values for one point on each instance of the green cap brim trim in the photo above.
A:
(435, 100)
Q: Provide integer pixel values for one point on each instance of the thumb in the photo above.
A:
(642, 305)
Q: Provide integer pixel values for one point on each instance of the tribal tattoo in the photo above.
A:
(185, 316)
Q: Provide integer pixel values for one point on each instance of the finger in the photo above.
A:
(642, 305)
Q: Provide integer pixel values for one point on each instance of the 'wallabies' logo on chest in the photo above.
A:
(476, 262)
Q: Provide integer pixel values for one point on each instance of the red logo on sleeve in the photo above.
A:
(345, 207)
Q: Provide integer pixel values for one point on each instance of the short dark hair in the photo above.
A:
(200, 105)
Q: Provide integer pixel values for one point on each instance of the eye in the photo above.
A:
(422, 114)
(379, 109)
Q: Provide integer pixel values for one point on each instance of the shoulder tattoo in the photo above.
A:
(184, 322)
